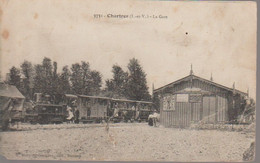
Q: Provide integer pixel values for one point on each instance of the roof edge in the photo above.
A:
(200, 78)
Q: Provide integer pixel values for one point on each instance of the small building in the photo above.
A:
(11, 102)
(193, 99)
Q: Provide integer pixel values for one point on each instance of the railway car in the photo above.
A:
(123, 110)
(70, 100)
(145, 108)
(93, 108)
(131, 110)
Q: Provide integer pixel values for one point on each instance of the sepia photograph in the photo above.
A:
(128, 80)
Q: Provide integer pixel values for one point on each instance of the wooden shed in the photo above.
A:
(193, 99)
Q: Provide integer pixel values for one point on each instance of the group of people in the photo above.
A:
(126, 114)
(153, 119)
(116, 113)
(73, 113)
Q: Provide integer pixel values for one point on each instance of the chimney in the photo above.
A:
(152, 91)
(7, 77)
(211, 78)
(191, 71)
(234, 87)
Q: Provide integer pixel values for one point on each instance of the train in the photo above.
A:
(90, 109)
(96, 109)
(46, 114)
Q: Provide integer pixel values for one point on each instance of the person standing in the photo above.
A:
(70, 114)
(77, 116)
(88, 112)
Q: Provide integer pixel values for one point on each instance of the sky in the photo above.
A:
(215, 37)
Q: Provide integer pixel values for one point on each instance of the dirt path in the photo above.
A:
(138, 142)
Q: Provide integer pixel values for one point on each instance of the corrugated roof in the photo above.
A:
(122, 100)
(99, 97)
(10, 91)
(201, 79)
(71, 96)
(113, 99)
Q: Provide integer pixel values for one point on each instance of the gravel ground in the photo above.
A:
(129, 142)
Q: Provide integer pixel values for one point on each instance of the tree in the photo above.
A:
(47, 75)
(64, 81)
(55, 79)
(109, 85)
(44, 77)
(76, 78)
(39, 84)
(118, 84)
(15, 77)
(119, 79)
(137, 88)
(27, 82)
(84, 80)
(95, 82)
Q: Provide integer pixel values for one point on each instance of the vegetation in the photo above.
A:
(79, 78)
(131, 84)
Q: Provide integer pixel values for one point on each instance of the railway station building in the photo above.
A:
(193, 99)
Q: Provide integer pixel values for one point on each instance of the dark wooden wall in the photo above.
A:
(213, 107)
(98, 107)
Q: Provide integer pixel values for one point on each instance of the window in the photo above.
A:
(169, 102)
(195, 98)
(182, 98)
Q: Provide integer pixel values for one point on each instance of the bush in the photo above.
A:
(249, 154)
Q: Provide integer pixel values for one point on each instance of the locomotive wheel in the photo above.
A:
(58, 122)
(33, 122)
(5, 125)
(43, 121)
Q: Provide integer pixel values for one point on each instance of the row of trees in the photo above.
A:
(131, 84)
(79, 79)
(44, 78)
